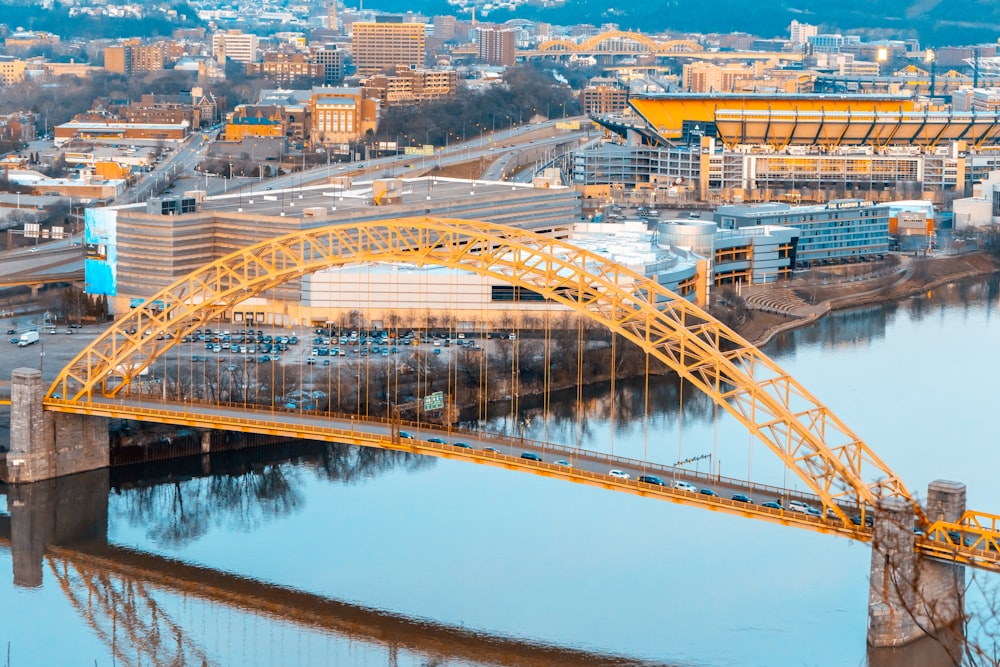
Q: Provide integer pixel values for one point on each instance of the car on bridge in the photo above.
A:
(531, 456)
(463, 445)
(405, 434)
(772, 504)
(651, 479)
(799, 506)
(437, 441)
(685, 486)
(620, 474)
(562, 462)
(742, 498)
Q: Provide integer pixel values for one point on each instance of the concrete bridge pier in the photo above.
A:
(911, 596)
(60, 511)
(45, 445)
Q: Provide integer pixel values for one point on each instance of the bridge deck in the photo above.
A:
(581, 466)
(946, 541)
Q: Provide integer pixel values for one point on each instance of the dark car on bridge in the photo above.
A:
(742, 498)
(651, 479)
(531, 456)
(773, 505)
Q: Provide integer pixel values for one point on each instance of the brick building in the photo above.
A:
(286, 68)
(382, 45)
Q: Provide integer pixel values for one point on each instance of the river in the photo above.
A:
(478, 566)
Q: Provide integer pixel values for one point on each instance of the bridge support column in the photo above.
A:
(911, 596)
(61, 511)
(44, 445)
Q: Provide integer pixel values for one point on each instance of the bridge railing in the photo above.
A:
(497, 438)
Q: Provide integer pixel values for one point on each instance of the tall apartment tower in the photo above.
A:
(799, 33)
(133, 58)
(496, 46)
(386, 43)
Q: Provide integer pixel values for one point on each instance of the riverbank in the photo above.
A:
(770, 310)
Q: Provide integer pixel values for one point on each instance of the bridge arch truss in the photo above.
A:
(810, 440)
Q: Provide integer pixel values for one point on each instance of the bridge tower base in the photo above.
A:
(911, 596)
(56, 512)
(45, 445)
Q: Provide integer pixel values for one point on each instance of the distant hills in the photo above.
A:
(28, 15)
(934, 22)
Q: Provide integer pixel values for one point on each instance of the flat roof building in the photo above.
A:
(846, 230)
(136, 239)
(381, 45)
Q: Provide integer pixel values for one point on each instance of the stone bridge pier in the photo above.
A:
(55, 512)
(910, 595)
(45, 445)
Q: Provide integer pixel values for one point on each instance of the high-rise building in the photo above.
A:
(444, 27)
(496, 46)
(235, 45)
(132, 57)
(799, 33)
(332, 60)
(331, 15)
(386, 43)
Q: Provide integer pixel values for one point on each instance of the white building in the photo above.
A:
(799, 33)
(983, 207)
(235, 45)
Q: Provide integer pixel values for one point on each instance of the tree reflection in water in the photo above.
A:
(179, 501)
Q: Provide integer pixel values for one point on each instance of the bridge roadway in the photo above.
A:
(99, 561)
(581, 466)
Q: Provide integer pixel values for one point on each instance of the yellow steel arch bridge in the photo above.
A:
(629, 43)
(839, 469)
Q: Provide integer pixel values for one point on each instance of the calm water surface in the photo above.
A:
(541, 561)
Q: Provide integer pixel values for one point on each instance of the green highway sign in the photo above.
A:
(434, 402)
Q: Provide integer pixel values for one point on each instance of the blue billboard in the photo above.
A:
(100, 239)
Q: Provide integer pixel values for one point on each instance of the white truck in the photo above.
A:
(27, 338)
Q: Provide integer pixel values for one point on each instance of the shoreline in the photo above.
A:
(912, 279)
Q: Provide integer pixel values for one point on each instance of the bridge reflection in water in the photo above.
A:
(153, 610)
